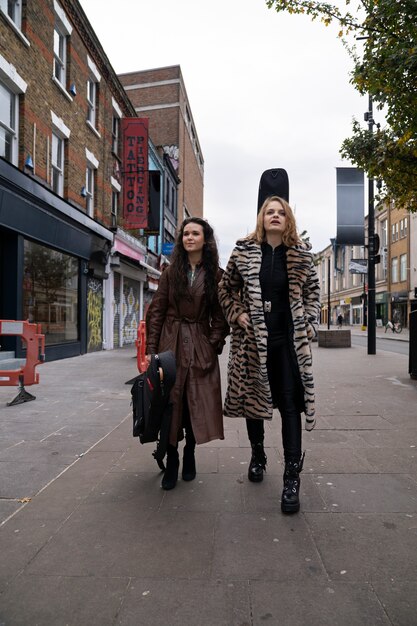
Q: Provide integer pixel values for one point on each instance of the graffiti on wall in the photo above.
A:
(94, 314)
(116, 311)
(130, 310)
(173, 153)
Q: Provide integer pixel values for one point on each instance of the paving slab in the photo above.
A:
(399, 600)
(393, 438)
(260, 546)
(325, 437)
(357, 422)
(128, 542)
(207, 493)
(63, 601)
(392, 460)
(333, 459)
(368, 493)
(217, 603)
(366, 548)
(23, 480)
(316, 603)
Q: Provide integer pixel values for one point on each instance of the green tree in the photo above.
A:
(386, 69)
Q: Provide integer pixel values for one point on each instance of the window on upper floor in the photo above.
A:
(115, 202)
(90, 182)
(60, 132)
(173, 201)
(394, 270)
(92, 101)
(11, 85)
(115, 142)
(8, 124)
(62, 31)
(403, 267)
(396, 232)
(405, 226)
(167, 186)
(57, 164)
(115, 199)
(89, 190)
(384, 237)
(92, 94)
(117, 115)
(401, 229)
(13, 9)
(60, 56)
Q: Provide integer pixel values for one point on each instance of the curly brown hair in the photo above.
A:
(290, 236)
(210, 260)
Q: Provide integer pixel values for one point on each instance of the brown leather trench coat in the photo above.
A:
(196, 336)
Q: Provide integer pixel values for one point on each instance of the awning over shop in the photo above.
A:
(124, 248)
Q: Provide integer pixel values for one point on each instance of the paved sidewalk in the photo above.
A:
(87, 536)
(379, 332)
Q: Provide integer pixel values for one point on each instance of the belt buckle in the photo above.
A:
(267, 306)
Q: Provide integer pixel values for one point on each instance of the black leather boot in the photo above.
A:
(188, 462)
(171, 472)
(290, 501)
(257, 465)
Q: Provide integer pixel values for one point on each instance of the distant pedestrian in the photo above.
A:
(270, 295)
(185, 317)
(340, 320)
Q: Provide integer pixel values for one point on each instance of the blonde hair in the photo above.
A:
(289, 236)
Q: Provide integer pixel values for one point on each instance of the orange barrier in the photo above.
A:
(35, 355)
(141, 347)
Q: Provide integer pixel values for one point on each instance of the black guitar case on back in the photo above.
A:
(273, 182)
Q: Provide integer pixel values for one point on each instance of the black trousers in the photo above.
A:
(285, 387)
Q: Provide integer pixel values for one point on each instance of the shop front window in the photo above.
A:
(50, 292)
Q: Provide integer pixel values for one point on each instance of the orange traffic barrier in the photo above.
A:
(141, 347)
(35, 355)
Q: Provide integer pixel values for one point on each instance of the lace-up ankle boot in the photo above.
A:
(170, 477)
(257, 465)
(290, 501)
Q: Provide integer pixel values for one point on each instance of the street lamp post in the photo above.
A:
(371, 250)
(328, 293)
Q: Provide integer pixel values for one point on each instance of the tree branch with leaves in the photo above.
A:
(386, 69)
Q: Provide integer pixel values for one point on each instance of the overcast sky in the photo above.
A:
(266, 90)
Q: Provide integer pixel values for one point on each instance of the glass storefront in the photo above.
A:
(50, 292)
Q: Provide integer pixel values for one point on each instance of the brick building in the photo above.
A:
(61, 106)
(399, 264)
(393, 276)
(160, 95)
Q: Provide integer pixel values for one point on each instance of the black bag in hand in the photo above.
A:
(152, 408)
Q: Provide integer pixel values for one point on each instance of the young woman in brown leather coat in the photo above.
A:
(185, 317)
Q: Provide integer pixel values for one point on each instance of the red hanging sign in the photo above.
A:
(135, 172)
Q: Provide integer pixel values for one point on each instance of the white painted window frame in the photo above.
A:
(90, 180)
(64, 29)
(15, 84)
(61, 132)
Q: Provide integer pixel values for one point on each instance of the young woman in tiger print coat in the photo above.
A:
(270, 297)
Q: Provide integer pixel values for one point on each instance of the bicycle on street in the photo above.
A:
(396, 327)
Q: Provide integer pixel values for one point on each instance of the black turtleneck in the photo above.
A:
(274, 285)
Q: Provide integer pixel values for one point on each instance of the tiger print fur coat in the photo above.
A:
(248, 393)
